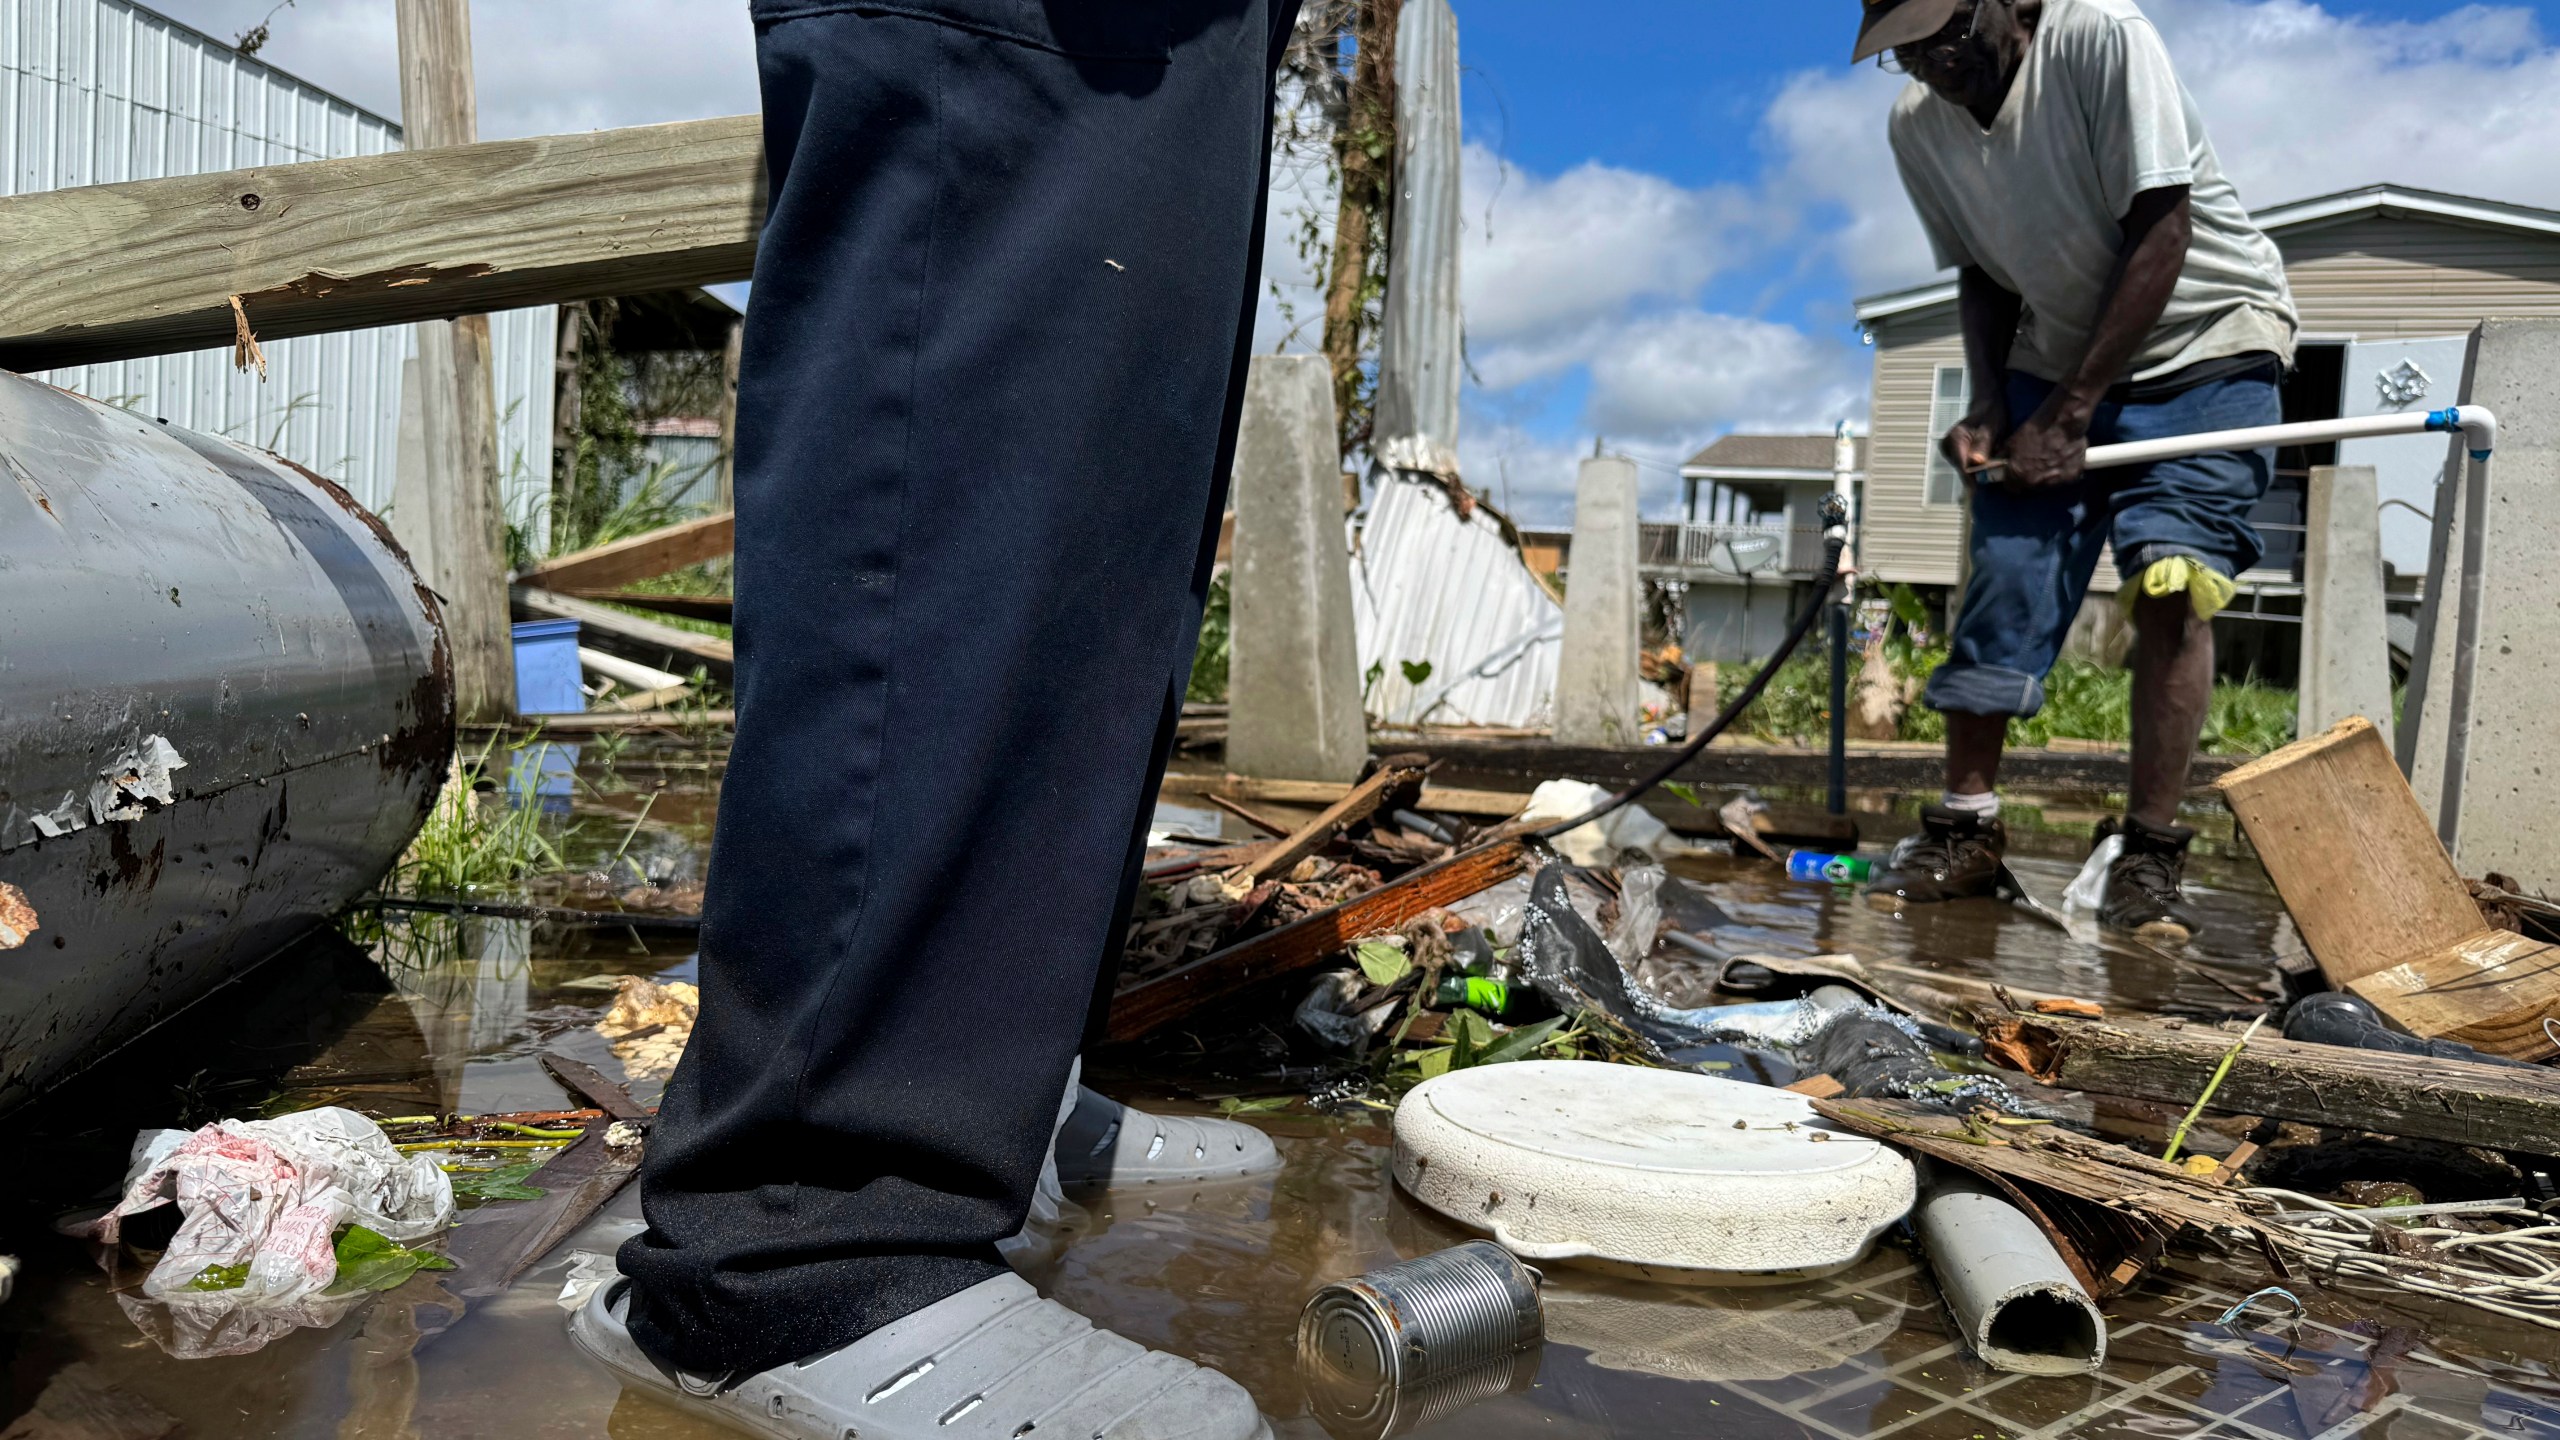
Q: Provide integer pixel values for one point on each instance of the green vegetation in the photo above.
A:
(1208, 684)
(369, 1261)
(2083, 701)
(470, 844)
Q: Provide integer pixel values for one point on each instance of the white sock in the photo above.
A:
(1986, 804)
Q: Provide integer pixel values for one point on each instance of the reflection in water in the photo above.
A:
(1375, 1409)
(1219, 1274)
(1759, 1333)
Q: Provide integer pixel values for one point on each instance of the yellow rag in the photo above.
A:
(2208, 589)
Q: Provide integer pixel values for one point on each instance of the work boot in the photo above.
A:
(2146, 886)
(1105, 1143)
(1956, 856)
(994, 1362)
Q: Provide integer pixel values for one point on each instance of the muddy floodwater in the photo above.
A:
(452, 1016)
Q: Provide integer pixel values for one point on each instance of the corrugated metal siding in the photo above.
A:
(2385, 277)
(1419, 352)
(1427, 585)
(1903, 539)
(98, 91)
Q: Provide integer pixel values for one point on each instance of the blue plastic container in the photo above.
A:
(547, 668)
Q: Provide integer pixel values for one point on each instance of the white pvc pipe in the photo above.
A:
(2478, 426)
(2479, 430)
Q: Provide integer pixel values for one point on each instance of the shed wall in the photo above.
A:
(94, 92)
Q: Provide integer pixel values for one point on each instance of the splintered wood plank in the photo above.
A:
(2498, 1107)
(2353, 856)
(2493, 991)
(641, 557)
(1149, 1006)
(149, 267)
(1307, 839)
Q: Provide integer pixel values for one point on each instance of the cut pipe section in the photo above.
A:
(2013, 1299)
(226, 704)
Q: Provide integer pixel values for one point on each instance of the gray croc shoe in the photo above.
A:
(1105, 1143)
(994, 1362)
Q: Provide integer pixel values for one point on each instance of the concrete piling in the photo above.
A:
(2511, 783)
(1596, 680)
(2346, 652)
(1293, 678)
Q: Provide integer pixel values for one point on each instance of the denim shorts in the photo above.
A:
(2033, 552)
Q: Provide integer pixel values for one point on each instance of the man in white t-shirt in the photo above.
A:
(2112, 288)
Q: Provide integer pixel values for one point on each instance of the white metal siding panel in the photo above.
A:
(94, 92)
(1427, 585)
(1903, 539)
(2388, 277)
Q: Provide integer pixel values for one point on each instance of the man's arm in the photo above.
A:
(2049, 448)
(1988, 315)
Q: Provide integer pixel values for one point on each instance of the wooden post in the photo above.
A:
(567, 399)
(458, 404)
(729, 358)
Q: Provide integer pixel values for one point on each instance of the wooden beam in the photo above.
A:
(641, 557)
(1499, 804)
(720, 609)
(1145, 1008)
(2496, 1107)
(111, 272)
(643, 640)
(1354, 807)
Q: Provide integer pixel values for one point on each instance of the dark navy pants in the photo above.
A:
(994, 357)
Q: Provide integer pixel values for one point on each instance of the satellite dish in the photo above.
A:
(1745, 554)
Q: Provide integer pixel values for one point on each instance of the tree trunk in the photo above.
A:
(1365, 149)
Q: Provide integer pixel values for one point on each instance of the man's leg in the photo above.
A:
(987, 407)
(2181, 532)
(2032, 555)
(2172, 689)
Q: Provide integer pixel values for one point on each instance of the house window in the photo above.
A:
(1949, 398)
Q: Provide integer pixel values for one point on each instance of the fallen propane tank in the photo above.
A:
(225, 707)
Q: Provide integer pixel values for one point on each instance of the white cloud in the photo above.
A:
(1688, 373)
(1598, 271)
(2299, 101)
(542, 68)
(1544, 255)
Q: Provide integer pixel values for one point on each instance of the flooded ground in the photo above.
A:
(452, 1015)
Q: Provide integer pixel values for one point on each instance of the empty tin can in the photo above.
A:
(1421, 1320)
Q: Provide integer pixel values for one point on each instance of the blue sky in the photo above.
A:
(1747, 115)
(1669, 203)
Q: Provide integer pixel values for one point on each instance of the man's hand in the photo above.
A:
(2051, 448)
(1969, 446)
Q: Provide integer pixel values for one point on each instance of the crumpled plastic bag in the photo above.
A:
(1603, 840)
(268, 1196)
(2089, 888)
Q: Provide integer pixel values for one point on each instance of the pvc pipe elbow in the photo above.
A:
(2479, 427)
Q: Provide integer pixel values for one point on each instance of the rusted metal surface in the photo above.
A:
(225, 707)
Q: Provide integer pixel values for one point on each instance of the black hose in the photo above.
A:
(1796, 632)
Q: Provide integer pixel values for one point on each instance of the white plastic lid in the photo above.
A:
(1670, 1174)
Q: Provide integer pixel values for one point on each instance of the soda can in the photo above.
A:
(1421, 1320)
(1833, 869)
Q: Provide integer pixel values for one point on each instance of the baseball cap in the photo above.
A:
(1899, 22)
